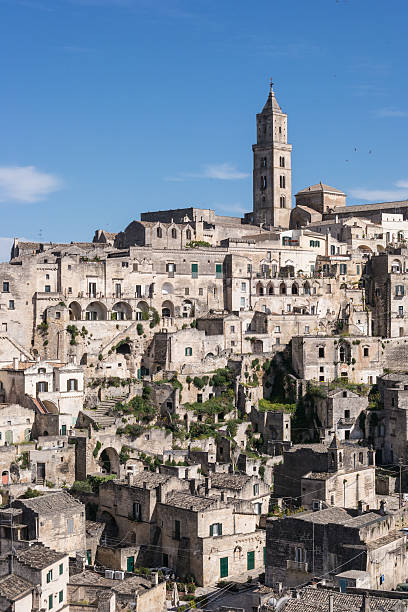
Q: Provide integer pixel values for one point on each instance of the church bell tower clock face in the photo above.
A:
(272, 169)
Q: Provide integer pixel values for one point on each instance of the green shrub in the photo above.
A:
(139, 329)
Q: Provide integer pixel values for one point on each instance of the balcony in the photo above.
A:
(299, 566)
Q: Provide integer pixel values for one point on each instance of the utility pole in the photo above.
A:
(400, 481)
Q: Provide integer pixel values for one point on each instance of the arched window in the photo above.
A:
(270, 290)
(342, 354)
(188, 234)
(282, 181)
(295, 289)
(282, 201)
(188, 351)
(282, 289)
(281, 161)
(159, 232)
(173, 233)
(399, 290)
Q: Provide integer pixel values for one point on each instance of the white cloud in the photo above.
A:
(222, 172)
(382, 195)
(391, 112)
(26, 184)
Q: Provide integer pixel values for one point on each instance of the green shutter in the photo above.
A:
(50, 602)
(194, 270)
(264, 555)
(218, 270)
(211, 530)
(250, 560)
(224, 567)
(61, 596)
(219, 528)
(130, 564)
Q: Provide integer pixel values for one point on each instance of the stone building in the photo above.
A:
(341, 474)
(319, 543)
(339, 413)
(56, 520)
(238, 486)
(272, 168)
(386, 291)
(207, 538)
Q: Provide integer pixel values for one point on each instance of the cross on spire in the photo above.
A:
(272, 84)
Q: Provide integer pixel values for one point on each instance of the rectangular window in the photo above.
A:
(92, 289)
(187, 291)
(282, 181)
(343, 269)
(358, 268)
(49, 576)
(223, 567)
(188, 351)
(232, 329)
(118, 290)
(47, 289)
(216, 529)
(125, 264)
(6, 287)
(277, 328)
(137, 511)
(400, 311)
(243, 287)
(200, 291)
(50, 601)
(69, 289)
(321, 352)
(176, 530)
(194, 270)
(11, 304)
(218, 270)
(60, 596)
(307, 329)
(70, 526)
(242, 302)
(250, 560)
(61, 569)
(256, 489)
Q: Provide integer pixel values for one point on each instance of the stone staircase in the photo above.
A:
(100, 415)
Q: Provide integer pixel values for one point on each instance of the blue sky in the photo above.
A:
(113, 107)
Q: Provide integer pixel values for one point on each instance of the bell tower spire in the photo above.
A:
(272, 170)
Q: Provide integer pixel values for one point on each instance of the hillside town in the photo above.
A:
(203, 411)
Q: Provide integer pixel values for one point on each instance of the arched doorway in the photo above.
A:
(111, 529)
(167, 309)
(121, 311)
(96, 311)
(142, 311)
(109, 461)
(74, 311)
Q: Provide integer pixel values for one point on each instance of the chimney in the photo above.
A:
(155, 578)
(130, 478)
(207, 482)
(360, 507)
(383, 507)
(331, 603)
(15, 363)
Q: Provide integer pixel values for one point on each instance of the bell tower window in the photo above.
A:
(282, 181)
(281, 161)
(282, 201)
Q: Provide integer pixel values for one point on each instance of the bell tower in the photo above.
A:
(272, 173)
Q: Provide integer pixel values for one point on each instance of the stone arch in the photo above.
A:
(74, 311)
(111, 529)
(121, 311)
(167, 289)
(96, 311)
(142, 309)
(270, 289)
(260, 289)
(396, 266)
(364, 248)
(50, 406)
(282, 289)
(109, 461)
(306, 288)
(295, 289)
(167, 309)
